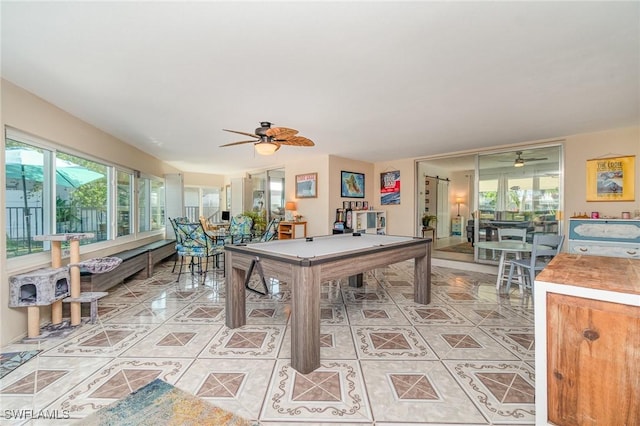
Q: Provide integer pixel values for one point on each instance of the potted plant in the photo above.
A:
(428, 218)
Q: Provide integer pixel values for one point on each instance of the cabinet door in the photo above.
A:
(593, 356)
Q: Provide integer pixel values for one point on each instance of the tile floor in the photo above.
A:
(465, 359)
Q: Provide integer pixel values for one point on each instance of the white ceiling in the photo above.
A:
(370, 81)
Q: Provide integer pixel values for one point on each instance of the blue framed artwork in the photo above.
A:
(351, 184)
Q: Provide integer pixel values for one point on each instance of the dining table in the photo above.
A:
(504, 247)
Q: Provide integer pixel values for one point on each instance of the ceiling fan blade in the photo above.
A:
(253, 135)
(535, 159)
(297, 141)
(281, 132)
(237, 143)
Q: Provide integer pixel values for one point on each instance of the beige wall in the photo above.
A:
(30, 114)
(205, 180)
(338, 164)
(583, 147)
(401, 218)
(314, 210)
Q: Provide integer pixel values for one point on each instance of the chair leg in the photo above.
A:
(511, 267)
(500, 271)
(175, 262)
(180, 270)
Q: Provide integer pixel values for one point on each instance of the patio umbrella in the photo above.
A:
(27, 164)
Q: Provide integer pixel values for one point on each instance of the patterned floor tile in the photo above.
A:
(519, 340)
(332, 393)
(102, 340)
(249, 341)
(400, 342)
(376, 314)
(267, 313)
(116, 380)
(236, 385)
(366, 294)
(199, 313)
(151, 311)
(174, 341)
(434, 314)
(454, 342)
(491, 314)
(503, 391)
(417, 392)
(333, 314)
(38, 383)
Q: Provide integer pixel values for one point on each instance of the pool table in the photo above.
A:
(305, 264)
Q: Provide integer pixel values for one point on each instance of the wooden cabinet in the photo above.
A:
(370, 221)
(292, 230)
(587, 337)
(605, 237)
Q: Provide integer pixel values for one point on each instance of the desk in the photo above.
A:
(306, 264)
(504, 247)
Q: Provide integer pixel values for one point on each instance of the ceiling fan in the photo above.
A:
(519, 161)
(269, 139)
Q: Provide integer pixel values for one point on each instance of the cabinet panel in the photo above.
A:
(292, 230)
(370, 221)
(604, 249)
(605, 237)
(593, 371)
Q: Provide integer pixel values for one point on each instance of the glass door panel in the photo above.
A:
(517, 189)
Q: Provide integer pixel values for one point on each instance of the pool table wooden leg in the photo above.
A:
(235, 303)
(305, 319)
(422, 278)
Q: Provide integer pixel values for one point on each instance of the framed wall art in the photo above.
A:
(390, 187)
(611, 179)
(307, 185)
(351, 184)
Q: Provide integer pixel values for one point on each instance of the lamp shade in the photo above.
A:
(266, 148)
(459, 200)
(290, 205)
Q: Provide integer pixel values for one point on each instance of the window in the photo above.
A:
(202, 202)
(81, 196)
(51, 191)
(124, 203)
(150, 204)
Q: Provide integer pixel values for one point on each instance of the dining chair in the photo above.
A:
(509, 234)
(240, 229)
(195, 243)
(178, 237)
(545, 247)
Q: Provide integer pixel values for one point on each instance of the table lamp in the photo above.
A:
(459, 200)
(289, 210)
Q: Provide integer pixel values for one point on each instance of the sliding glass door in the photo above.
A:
(517, 189)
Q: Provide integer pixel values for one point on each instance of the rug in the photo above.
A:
(466, 248)
(9, 361)
(160, 403)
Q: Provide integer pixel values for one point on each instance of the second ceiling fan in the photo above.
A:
(519, 161)
(269, 139)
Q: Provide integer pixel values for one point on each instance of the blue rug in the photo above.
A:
(160, 403)
(9, 361)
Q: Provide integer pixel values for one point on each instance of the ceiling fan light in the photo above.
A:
(266, 148)
(518, 163)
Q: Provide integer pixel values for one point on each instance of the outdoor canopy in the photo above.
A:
(28, 164)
